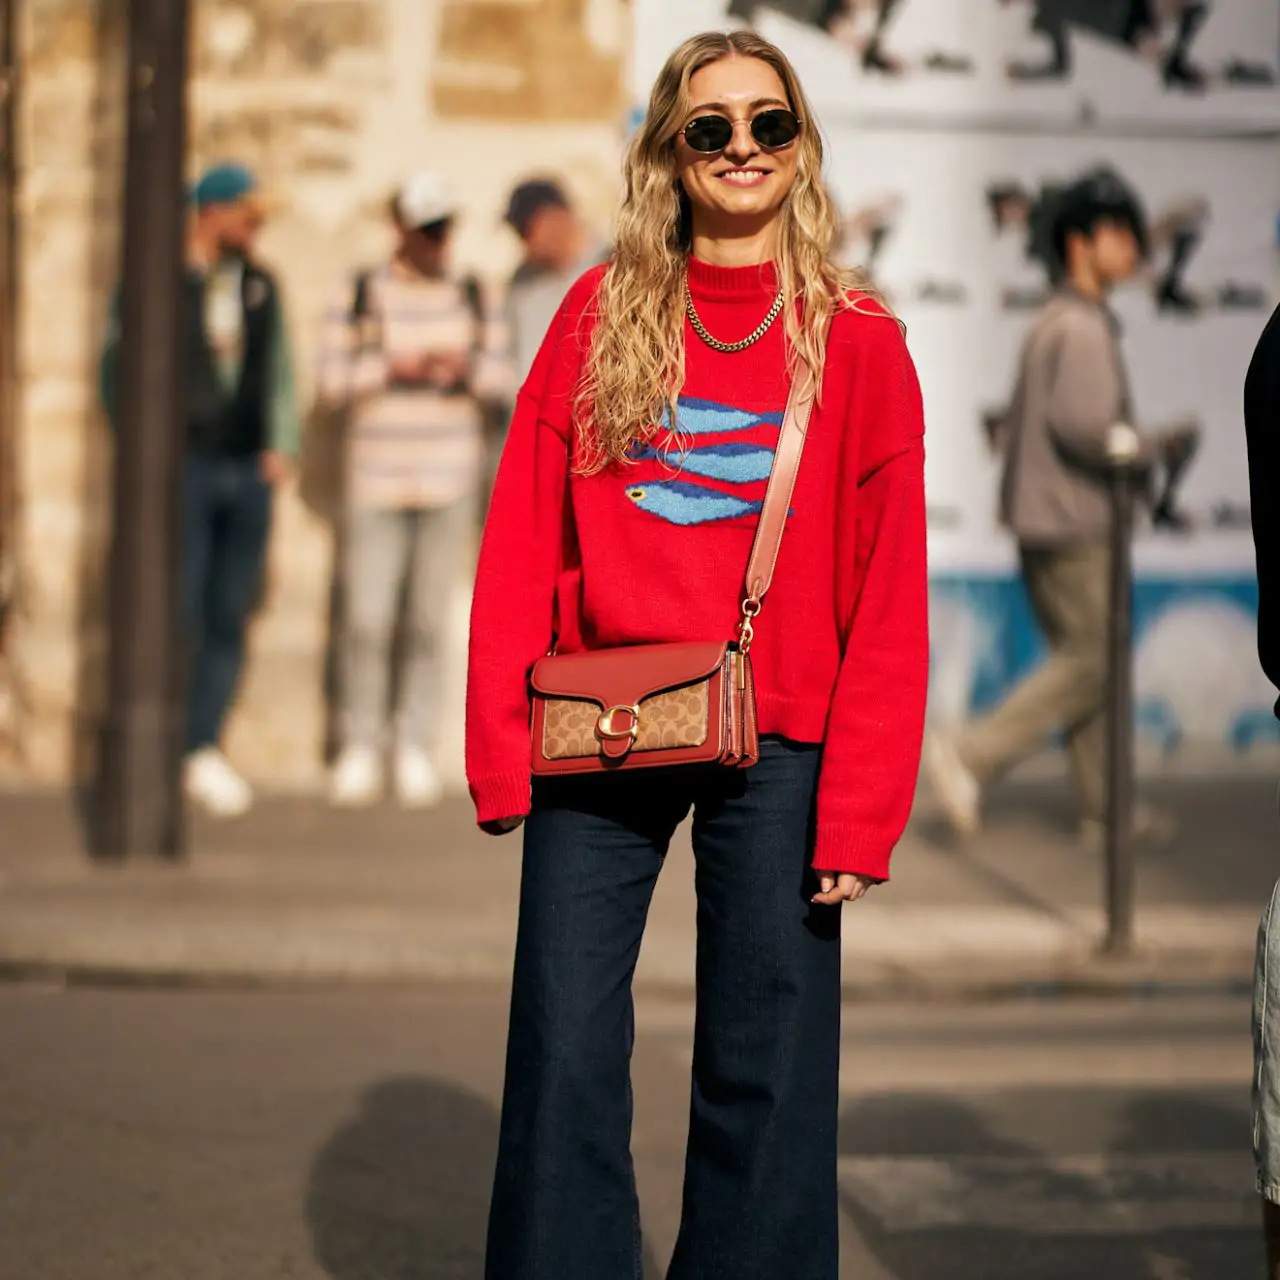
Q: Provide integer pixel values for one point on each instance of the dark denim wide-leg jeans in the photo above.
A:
(760, 1174)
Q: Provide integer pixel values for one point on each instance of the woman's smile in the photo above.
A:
(745, 176)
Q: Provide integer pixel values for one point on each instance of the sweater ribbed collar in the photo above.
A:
(732, 284)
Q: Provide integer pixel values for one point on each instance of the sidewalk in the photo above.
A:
(298, 892)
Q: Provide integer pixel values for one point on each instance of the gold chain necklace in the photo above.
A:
(729, 347)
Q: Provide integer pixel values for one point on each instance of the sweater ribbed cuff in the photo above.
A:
(504, 795)
(847, 847)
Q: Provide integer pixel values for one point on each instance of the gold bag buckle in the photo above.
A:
(606, 731)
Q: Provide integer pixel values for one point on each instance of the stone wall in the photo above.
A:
(71, 115)
(330, 100)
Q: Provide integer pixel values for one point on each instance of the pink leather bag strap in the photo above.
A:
(777, 498)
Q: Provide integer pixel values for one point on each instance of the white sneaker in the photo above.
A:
(356, 779)
(958, 791)
(209, 780)
(418, 785)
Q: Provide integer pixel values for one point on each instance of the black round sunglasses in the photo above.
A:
(772, 129)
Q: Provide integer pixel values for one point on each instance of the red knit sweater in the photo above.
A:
(651, 553)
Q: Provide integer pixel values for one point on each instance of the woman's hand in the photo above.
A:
(843, 886)
(500, 826)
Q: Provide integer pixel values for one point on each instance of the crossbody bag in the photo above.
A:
(663, 705)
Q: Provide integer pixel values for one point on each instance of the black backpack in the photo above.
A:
(469, 285)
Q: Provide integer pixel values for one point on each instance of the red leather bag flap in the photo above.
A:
(625, 677)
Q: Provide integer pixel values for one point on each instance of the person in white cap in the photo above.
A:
(410, 354)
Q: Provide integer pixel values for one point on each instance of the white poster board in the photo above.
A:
(950, 247)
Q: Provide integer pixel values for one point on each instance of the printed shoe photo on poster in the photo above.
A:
(1187, 66)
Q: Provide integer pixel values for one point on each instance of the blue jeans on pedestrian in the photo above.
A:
(225, 521)
(760, 1169)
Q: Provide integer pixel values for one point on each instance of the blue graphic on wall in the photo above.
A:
(1196, 673)
(733, 463)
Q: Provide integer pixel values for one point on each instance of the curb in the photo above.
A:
(1074, 976)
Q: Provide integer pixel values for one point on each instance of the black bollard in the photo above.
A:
(140, 792)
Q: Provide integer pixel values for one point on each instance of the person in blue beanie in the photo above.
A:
(242, 430)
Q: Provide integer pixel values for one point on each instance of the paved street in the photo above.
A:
(349, 1134)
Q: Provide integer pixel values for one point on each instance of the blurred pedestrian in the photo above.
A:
(1071, 394)
(558, 247)
(406, 350)
(1261, 416)
(242, 431)
(622, 535)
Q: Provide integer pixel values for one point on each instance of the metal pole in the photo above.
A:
(141, 804)
(1118, 845)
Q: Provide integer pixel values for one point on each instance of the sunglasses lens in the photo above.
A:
(708, 133)
(775, 128)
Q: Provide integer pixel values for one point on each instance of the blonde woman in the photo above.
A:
(624, 515)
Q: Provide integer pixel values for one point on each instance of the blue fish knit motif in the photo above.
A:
(731, 463)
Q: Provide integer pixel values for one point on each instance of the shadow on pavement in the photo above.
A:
(1024, 1185)
(401, 1191)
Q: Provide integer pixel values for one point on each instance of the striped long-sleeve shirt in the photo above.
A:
(411, 444)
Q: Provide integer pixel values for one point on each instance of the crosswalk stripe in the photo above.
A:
(1055, 1195)
(1157, 1066)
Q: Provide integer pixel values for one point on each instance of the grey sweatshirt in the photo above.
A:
(533, 298)
(1071, 389)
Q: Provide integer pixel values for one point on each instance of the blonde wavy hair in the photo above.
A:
(635, 366)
